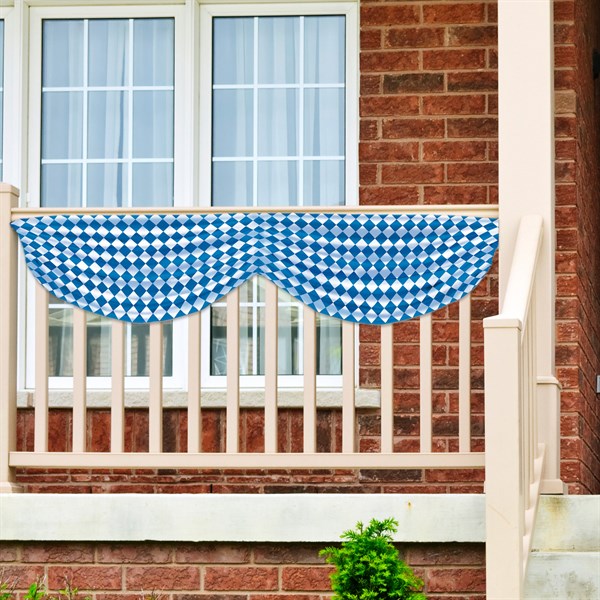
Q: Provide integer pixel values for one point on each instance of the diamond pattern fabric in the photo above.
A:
(366, 268)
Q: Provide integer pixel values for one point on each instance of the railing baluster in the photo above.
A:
(79, 379)
(41, 369)
(156, 387)
(310, 380)
(233, 371)
(194, 412)
(387, 389)
(271, 365)
(425, 410)
(464, 375)
(348, 388)
(117, 407)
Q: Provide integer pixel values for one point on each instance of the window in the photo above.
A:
(280, 137)
(106, 139)
(137, 105)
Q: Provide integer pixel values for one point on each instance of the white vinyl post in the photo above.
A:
(8, 339)
(527, 186)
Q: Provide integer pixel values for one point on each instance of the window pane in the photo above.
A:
(232, 184)
(218, 341)
(153, 124)
(277, 122)
(289, 351)
(61, 185)
(153, 184)
(324, 182)
(233, 50)
(324, 122)
(107, 125)
(62, 117)
(60, 342)
(278, 183)
(62, 48)
(153, 51)
(278, 49)
(108, 52)
(107, 184)
(139, 357)
(98, 346)
(324, 52)
(232, 123)
(329, 346)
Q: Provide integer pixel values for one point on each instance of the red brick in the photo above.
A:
(454, 13)
(162, 578)
(370, 85)
(453, 151)
(388, 151)
(370, 39)
(481, 81)
(412, 83)
(388, 61)
(454, 59)
(241, 578)
(57, 553)
(212, 553)
(86, 578)
(388, 15)
(564, 11)
(288, 554)
(446, 554)
(455, 194)
(482, 127)
(564, 34)
(411, 173)
(368, 174)
(389, 194)
(454, 104)
(472, 172)
(393, 106)
(306, 578)
(21, 576)
(134, 553)
(414, 38)
(413, 128)
(473, 36)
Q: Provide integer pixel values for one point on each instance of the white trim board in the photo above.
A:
(236, 517)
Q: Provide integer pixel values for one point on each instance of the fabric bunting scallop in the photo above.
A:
(366, 268)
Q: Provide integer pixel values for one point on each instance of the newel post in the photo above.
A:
(9, 198)
(527, 186)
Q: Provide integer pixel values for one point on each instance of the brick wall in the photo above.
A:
(222, 571)
(577, 32)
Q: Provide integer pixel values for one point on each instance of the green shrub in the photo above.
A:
(368, 566)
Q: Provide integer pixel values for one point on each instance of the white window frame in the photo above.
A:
(207, 12)
(183, 184)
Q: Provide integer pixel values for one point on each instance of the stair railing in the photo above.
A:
(514, 458)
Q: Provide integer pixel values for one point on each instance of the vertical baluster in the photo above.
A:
(310, 380)
(464, 375)
(233, 371)
(117, 406)
(271, 366)
(156, 387)
(348, 388)
(41, 369)
(194, 384)
(425, 382)
(387, 388)
(79, 379)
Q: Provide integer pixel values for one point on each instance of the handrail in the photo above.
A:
(514, 459)
(471, 210)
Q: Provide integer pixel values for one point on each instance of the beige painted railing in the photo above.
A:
(514, 458)
(349, 457)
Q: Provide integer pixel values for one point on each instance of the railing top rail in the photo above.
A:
(521, 281)
(471, 210)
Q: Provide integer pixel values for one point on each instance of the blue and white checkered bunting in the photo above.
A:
(366, 268)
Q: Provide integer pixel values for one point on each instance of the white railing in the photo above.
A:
(349, 457)
(514, 458)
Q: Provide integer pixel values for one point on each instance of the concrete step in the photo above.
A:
(565, 562)
(563, 575)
